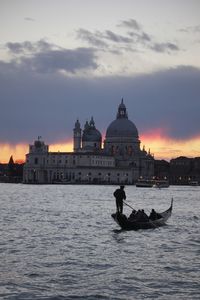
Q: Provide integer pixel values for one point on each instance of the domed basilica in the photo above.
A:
(119, 161)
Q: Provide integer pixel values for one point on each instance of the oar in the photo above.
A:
(128, 204)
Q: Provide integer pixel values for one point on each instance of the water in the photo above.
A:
(60, 242)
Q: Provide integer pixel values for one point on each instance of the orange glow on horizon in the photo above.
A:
(162, 146)
(17, 151)
(61, 147)
(20, 150)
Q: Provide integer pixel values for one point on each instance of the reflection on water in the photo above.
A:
(60, 242)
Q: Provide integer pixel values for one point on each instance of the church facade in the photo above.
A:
(119, 161)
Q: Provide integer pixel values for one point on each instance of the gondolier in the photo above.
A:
(120, 195)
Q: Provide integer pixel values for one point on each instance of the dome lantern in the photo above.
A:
(122, 111)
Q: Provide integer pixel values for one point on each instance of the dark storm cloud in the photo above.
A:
(44, 57)
(48, 104)
(61, 60)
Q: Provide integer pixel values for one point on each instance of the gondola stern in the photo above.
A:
(171, 206)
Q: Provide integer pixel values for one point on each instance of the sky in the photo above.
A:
(73, 59)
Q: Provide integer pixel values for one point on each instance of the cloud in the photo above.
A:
(136, 32)
(43, 57)
(135, 39)
(110, 35)
(94, 39)
(189, 29)
(48, 103)
(140, 37)
(131, 23)
(164, 47)
(101, 38)
(30, 47)
(29, 19)
(143, 38)
(67, 60)
(18, 48)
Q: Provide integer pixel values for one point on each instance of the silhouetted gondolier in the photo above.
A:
(120, 195)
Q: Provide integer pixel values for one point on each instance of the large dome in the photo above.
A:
(122, 126)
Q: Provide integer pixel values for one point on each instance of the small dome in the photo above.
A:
(90, 133)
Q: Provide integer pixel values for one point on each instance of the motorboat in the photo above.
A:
(147, 183)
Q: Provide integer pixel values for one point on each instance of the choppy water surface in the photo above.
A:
(59, 242)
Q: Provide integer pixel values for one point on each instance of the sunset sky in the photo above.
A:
(68, 59)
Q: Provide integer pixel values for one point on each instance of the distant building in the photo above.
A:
(184, 170)
(11, 172)
(119, 161)
(161, 169)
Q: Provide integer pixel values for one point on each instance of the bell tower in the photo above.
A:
(77, 136)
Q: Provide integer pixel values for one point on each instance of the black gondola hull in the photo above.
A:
(126, 224)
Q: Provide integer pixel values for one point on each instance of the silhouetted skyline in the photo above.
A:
(58, 65)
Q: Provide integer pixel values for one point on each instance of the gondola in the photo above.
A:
(127, 224)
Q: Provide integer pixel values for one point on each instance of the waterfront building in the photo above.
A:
(11, 172)
(119, 161)
(185, 170)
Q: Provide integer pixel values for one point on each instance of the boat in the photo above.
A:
(127, 224)
(194, 183)
(161, 184)
(147, 183)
